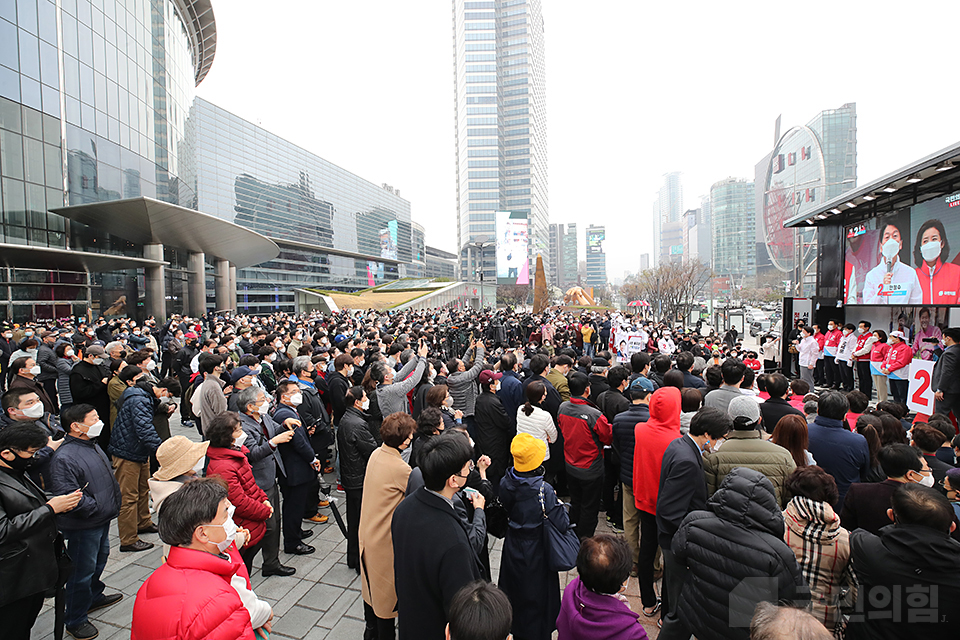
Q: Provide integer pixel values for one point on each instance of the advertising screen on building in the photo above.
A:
(905, 258)
(595, 240)
(512, 248)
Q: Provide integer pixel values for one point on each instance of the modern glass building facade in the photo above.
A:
(733, 231)
(596, 257)
(501, 126)
(667, 212)
(335, 230)
(118, 187)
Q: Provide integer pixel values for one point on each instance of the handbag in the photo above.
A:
(497, 519)
(561, 547)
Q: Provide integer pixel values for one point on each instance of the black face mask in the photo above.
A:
(19, 462)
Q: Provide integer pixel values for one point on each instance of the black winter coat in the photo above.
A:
(612, 402)
(533, 589)
(624, 438)
(337, 386)
(432, 560)
(740, 536)
(355, 443)
(86, 386)
(75, 464)
(598, 384)
(905, 559)
(297, 455)
(494, 433)
(774, 409)
(28, 533)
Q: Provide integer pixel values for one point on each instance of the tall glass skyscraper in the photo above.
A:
(501, 123)
(734, 229)
(667, 214)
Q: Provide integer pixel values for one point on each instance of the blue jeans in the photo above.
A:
(89, 549)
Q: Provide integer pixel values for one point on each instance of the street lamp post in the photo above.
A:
(481, 242)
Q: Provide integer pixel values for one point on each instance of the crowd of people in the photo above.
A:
(745, 503)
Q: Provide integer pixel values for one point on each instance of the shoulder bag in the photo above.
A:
(561, 547)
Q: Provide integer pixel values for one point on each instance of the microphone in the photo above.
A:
(889, 263)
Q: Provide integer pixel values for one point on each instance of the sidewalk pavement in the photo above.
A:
(321, 601)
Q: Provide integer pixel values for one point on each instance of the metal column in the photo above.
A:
(197, 284)
(155, 281)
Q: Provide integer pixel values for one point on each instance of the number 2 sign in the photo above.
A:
(920, 395)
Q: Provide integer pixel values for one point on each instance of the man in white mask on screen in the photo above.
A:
(891, 281)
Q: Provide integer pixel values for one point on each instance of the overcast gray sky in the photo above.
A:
(635, 89)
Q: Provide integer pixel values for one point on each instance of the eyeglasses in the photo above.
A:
(29, 455)
(472, 467)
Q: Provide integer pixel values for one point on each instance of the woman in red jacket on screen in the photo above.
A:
(227, 458)
(939, 279)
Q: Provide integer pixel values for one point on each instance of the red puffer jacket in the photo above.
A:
(190, 598)
(242, 490)
(651, 439)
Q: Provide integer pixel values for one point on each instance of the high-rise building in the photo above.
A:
(808, 165)
(501, 123)
(596, 258)
(644, 261)
(734, 249)
(697, 235)
(562, 272)
(667, 212)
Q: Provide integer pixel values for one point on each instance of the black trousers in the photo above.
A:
(354, 500)
(831, 376)
(294, 499)
(846, 375)
(584, 503)
(818, 373)
(249, 552)
(950, 402)
(17, 617)
(898, 389)
(612, 499)
(866, 380)
(674, 575)
(50, 386)
(648, 554)
(377, 628)
(271, 540)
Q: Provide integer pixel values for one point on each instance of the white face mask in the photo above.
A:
(8, 335)
(229, 528)
(34, 411)
(926, 481)
(95, 429)
(68, 353)
(98, 361)
(448, 402)
(931, 250)
(365, 404)
(263, 407)
(35, 369)
(151, 365)
(198, 468)
(238, 441)
(296, 399)
(890, 249)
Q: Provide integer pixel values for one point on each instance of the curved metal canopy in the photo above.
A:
(49, 258)
(202, 31)
(146, 221)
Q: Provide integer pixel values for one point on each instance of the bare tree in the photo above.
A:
(670, 288)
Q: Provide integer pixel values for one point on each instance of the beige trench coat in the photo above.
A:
(384, 487)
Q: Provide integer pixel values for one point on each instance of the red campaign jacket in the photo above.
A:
(833, 338)
(579, 421)
(879, 352)
(898, 357)
(821, 339)
(651, 440)
(942, 286)
(190, 598)
(242, 490)
(753, 363)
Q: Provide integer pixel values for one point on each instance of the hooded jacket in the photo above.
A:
(822, 549)
(652, 438)
(739, 537)
(911, 560)
(242, 490)
(585, 614)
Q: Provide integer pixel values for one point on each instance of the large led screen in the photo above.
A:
(906, 258)
(512, 248)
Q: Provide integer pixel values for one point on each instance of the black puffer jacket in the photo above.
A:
(355, 443)
(28, 531)
(740, 538)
